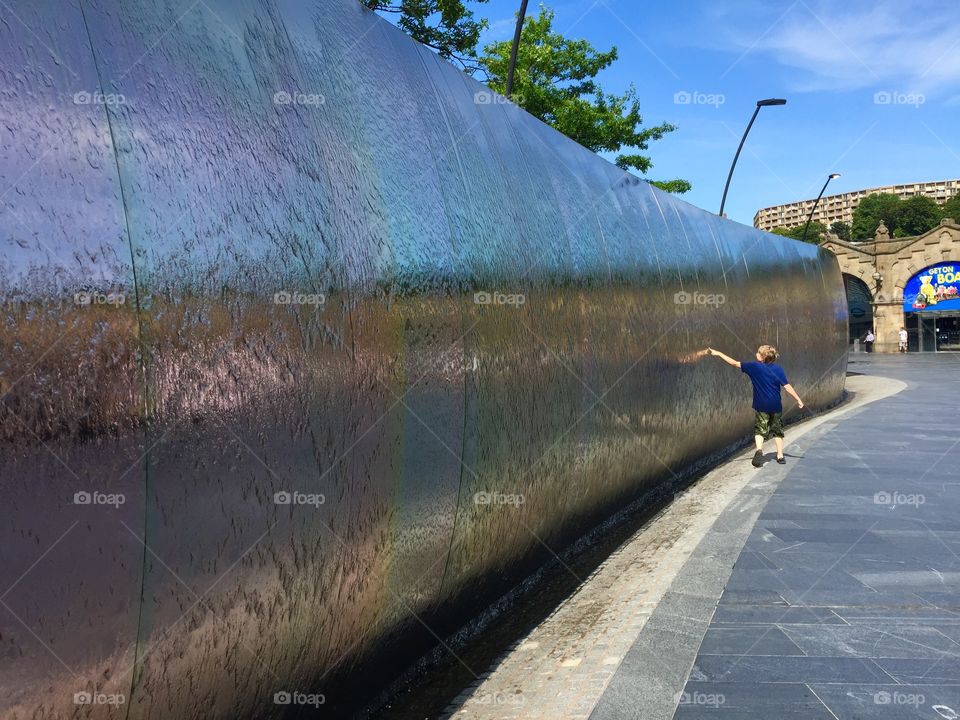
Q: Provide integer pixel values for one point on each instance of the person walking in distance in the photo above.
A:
(767, 378)
(904, 337)
(868, 341)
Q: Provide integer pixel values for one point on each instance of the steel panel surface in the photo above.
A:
(359, 344)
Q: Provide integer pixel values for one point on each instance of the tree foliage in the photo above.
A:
(555, 81)
(447, 26)
(841, 230)
(815, 235)
(916, 215)
(871, 211)
(555, 78)
(904, 218)
(951, 208)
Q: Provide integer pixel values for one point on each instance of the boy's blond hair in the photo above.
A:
(768, 353)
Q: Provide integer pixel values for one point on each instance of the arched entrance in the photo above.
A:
(931, 306)
(859, 299)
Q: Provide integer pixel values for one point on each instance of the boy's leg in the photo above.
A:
(761, 426)
(776, 429)
(758, 455)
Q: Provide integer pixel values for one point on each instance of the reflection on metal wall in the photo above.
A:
(859, 307)
(309, 343)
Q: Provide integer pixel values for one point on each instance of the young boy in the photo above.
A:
(767, 378)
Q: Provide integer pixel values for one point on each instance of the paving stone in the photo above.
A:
(753, 597)
(701, 701)
(922, 671)
(748, 640)
(784, 669)
(765, 615)
(890, 702)
(887, 639)
(928, 615)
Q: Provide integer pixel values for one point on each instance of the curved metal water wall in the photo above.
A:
(309, 343)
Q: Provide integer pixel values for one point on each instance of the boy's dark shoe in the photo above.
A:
(758, 458)
(782, 460)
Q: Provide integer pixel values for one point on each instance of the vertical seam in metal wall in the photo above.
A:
(143, 365)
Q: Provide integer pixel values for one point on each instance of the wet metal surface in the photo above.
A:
(309, 351)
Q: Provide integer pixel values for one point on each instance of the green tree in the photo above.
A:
(815, 235)
(447, 26)
(555, 81)
(871, 211)
(951, 208)
(841, 230)
(916, 215)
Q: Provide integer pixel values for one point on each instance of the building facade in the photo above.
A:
(911, 283)
(839, 208)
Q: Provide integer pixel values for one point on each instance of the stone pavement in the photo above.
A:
(845, 600)
(829, 587)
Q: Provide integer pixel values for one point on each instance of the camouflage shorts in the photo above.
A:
(767, 424)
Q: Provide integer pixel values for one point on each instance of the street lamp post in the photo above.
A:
(760, 104)
(831, 176)
(516, 46)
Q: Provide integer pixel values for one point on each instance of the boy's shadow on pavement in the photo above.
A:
(772, 457)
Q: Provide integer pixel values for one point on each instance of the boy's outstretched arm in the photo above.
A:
(793, 393)
(726, 358)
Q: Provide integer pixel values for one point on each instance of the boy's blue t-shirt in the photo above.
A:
(767, 381)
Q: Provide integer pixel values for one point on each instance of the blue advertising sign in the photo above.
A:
(934, 288)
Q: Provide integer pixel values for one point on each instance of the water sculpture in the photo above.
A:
(310, 343)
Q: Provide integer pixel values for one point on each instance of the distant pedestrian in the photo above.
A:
(904, 337)
(868, 341)
(767, 378)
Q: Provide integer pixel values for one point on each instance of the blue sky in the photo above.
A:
(836, 61)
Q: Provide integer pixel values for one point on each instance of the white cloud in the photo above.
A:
(907, 46)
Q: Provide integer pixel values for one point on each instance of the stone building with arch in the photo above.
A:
(911, 282)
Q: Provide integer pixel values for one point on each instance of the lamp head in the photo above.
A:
(771, 101)
(834, 176)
